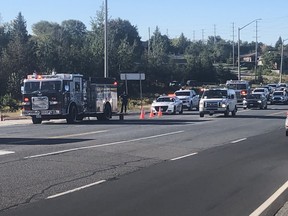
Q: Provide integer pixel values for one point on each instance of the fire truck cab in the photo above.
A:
(241, 87)
(68, 96)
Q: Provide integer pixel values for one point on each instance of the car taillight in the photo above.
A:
(243, 92)
(26, 99)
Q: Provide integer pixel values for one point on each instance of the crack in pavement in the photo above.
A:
(111, 167)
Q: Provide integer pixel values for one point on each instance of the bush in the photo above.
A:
(8, 104)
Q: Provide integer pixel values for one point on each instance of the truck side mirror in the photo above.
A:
(22, 89)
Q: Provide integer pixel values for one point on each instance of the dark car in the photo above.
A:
(255, 101)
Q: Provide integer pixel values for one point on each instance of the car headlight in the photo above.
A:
(259, 101)
(223, 104)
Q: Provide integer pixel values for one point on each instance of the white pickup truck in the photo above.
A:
(189, 98)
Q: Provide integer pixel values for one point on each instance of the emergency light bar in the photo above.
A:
(53, 76)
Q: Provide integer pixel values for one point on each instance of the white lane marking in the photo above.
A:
(102, 145)
(3, 152)
(277, 113)
(239, 140)
(76, 189)
(270, 200)
(80, 134)
(184, 156)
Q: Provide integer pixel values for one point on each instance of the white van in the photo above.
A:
(218, 100)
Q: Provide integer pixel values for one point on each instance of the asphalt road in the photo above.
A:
(173, 165)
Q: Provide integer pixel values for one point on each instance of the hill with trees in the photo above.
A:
(70, 48)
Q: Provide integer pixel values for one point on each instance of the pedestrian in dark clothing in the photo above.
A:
(124, 98)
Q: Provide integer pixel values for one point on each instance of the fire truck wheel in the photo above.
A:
(72, 117)
(36, 120)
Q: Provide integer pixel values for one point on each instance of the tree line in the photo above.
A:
(70, 48)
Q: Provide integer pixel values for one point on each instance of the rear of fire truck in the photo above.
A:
(67, 96)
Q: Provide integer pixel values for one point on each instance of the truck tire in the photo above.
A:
(191, 106)
(201, 114)
(36, 120)
(72, 116)
(181, 111)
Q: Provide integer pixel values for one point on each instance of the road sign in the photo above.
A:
(132, 76)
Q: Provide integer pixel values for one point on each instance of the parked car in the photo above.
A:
(279, 97)
(255, 101)
(167, 104)
(189, 98)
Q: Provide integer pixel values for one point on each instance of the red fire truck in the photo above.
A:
(241, 87)
(68, 96)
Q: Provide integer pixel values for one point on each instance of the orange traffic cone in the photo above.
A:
(142, 114)
(151, 115)
(160, 112)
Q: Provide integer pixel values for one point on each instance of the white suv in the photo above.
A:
(218, 100)
(189, 98)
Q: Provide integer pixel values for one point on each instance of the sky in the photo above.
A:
(195, 19)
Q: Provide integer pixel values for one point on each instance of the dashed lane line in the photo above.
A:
(76, 189)
(184, 156)
(239, 140)
(4, 152)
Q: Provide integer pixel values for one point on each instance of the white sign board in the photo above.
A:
(132, 76)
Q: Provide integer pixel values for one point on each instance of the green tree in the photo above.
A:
(47, 38)
(16, 57)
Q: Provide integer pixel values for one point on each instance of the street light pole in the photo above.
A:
(281, 63)
(106, 42)
(239, 29)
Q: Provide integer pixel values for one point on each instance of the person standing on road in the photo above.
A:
(124, 99)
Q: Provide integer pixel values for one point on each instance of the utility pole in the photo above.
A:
(256, 50)
(239, 29)
(214, 34)
(203, 35)
(233, 45)
(106, 42)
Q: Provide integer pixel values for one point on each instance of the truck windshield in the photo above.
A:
(215, 94)
(182, 93)
(30, 87)
(236, 86)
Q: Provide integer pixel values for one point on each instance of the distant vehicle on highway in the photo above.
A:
(261, 91)
(189, 98)
(241, 88)
(167, 104)
(255, 101)
(279, 97)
